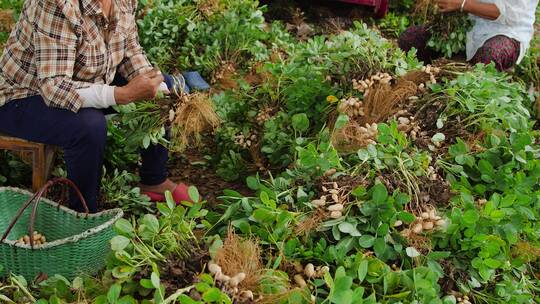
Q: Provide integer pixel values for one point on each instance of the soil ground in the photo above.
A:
(190, 169)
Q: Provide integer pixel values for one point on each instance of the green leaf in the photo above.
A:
(438, 255)
(359, 191)
(122, 272)
(102, 299)
(78, 283)
(263, 216)
(212, 295)
(406, 217)
(127, 300)
(341, 292)
(492, 263)
(300, 122)
(146, 142)
(363, 155)
(277, 262)
(146, 283)
(335, 233)
(154, 277)
(401, 199)
(362, 270)
(119, 242)
(151, 222)
(114, 293)
(485, 272)
(194, 194)
(171, 202)
(449, 300)
(215, 246)
(341, 121)
(366, 241)
(383, 230)
(380, 194)
(349, 228)
(56, 300)
(252, 183)
(124, 227)
(379, 247)
(184, 299)
(471, 217)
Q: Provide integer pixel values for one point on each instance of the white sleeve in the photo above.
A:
(97, 96)
(101, 96)
(163, 88)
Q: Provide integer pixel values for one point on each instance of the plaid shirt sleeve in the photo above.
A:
(55, 43)
(135, 61)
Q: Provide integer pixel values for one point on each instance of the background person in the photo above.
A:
(502, 31)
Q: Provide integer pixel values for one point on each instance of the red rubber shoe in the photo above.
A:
(180, 194)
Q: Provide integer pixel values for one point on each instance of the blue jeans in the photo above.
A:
(82, 136)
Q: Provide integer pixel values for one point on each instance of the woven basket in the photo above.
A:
(77, 243)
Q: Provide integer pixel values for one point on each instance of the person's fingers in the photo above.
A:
(151, 74)
(157, 72)
(157, 80)
(158, 75)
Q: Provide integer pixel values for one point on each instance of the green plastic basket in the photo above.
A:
(77, 243)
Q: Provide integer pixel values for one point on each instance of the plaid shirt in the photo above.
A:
(59, 46)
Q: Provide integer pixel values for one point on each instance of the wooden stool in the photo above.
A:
(42, 157)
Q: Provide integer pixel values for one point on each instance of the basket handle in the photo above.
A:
(36, 198)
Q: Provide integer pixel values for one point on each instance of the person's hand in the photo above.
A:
(447, 6)
(143, 86)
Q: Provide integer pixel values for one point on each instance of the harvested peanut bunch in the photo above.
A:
(39, 239)
(433, 176)
(351, 106)
(481, 201)
(371, 132)
(245, 141)
(227, 70)
(363, 86)
(407, 124)
(433, 72)
(264, 115)
(309, 271)
(333, 199)
(415, 131)
(330, 172)
(229, 284)
(464, 300)
(426, 222)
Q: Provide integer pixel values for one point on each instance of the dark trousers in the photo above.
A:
(82, 136)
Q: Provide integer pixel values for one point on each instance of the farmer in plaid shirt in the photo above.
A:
(66, 61)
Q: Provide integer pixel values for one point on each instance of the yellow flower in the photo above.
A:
(331, 99)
